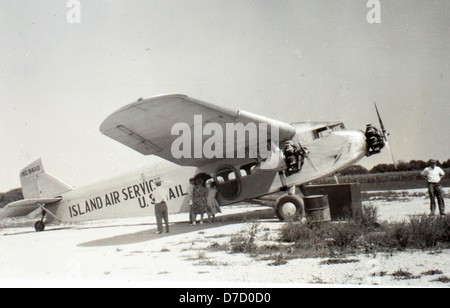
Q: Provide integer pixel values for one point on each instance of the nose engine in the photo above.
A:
(375, 140)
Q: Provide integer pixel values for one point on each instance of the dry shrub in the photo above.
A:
(309, 239)
(368, 218)
(420, 232)
(364, 234)
(344, 236)
(247, 242)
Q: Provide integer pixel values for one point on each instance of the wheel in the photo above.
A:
(289, 207)
(39, 226)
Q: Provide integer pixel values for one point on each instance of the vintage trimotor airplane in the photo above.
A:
(299, 153)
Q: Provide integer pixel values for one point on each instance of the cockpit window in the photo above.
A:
(338, 127)
(321, 132)
(327, 130)
(309, 131)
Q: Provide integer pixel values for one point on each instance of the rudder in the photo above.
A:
(36, 183)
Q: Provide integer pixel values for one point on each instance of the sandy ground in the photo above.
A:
(126, 253)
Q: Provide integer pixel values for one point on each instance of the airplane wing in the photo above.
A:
(25, 207)
(146, 126)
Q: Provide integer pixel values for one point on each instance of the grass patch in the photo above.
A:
(245, 242)
(201, 255)
(403, 275)
(217, 236)
(210, 262)
(379, 274)
(337, 240)
(442, 279)
(279, 259)
(215, 246)
(163, 273)
(330, 239)
(432, 272)
(338, 261)
(364, 234)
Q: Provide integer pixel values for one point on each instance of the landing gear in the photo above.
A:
(39, 226)
(289, 207)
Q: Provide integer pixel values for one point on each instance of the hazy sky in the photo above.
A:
(315, 60)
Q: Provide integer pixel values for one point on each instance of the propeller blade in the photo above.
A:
(383, 129)
(392, 154)
(385, 134)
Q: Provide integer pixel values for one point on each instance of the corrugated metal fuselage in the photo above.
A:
(130, 195)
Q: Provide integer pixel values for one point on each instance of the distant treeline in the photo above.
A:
(413, 175)
(10, 196)
(386, 177)
(413, 165)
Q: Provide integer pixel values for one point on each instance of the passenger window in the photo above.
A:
(229, 186)
(226, 173)
(247, 169)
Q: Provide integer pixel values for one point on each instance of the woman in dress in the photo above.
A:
(199, 204)
(213, 205)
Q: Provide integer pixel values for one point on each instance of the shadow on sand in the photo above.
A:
(182, 227)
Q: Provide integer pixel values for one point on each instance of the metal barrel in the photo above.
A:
(317, 208)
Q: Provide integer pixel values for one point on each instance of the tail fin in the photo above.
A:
(36, 183)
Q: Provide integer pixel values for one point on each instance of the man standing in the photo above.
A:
(161, 211)
(433, 174)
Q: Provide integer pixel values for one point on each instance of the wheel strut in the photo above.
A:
(39, 226)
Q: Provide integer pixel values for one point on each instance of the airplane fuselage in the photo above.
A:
(127, 196)
(330, 148)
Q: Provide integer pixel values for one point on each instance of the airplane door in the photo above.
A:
(228, 183)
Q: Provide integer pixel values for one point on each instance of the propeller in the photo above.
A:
(385, 134)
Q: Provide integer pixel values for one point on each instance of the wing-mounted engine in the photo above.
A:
(294, 157)
(288, 160)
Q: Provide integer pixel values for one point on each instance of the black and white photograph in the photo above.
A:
(224, 144)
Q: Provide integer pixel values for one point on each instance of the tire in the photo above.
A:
(39, 226)
(289, 207)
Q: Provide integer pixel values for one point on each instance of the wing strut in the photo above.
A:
(48, 212)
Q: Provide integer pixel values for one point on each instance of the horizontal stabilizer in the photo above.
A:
(26, 206)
